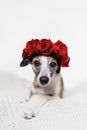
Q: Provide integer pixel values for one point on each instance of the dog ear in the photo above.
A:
(27, 60)
(58, 69)
(58, 65)
(24, 62)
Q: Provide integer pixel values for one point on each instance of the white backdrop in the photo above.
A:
(22, 20)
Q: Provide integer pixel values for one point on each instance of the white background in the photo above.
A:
(22, 20)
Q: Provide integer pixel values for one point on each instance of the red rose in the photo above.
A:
(24, 53)
(60, 48)
(65, 62)
(35, 41)
(44, 47)
(30, 46)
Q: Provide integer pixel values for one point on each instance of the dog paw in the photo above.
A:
(24, 100)
(30, 114)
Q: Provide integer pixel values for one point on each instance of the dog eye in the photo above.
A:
(52, 64)
(36, 63)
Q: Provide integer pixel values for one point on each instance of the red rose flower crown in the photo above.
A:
(46, 47)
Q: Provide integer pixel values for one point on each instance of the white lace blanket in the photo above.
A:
(69, 113)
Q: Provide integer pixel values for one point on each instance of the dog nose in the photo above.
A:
(44, 80)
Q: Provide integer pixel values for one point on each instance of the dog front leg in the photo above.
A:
(34, 105)
(26, 96)
(60, 94)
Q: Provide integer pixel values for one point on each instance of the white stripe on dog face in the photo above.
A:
(44, 66)
(44, 70)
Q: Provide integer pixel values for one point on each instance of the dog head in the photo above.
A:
(46, 58)
(45, 69)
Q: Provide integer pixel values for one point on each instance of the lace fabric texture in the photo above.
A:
(69, 113)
